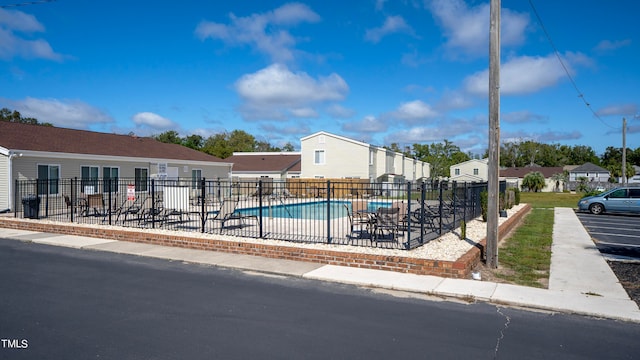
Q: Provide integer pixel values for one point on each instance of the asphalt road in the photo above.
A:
(614, 234)
(77, 304)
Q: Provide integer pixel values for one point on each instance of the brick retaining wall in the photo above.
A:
(460, 268)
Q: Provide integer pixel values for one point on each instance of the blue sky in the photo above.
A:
(379, 71)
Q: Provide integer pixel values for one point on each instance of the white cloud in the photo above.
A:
(521, 117)
(13, 45)
(304, 112)
(339, 111)
(414, 111)
(392, 24)
(521, 75)
(274, 90)
(19, 21)
(608, 45)
(265, 32)
(454, 100)
(619, 110)
(152, 120)
(369, 124)
(467, 28)
(63, 113)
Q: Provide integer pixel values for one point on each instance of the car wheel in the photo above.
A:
(596, 209)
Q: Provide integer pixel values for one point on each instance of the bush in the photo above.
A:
(484, 199)
(517, 196)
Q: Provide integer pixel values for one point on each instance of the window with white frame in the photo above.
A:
(475, 172)
(196, 176)
(456, 171)
(89, 179)
(110, 178)
(141, 179)
(48, 179)
(319, 157)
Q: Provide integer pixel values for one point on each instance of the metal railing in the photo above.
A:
(298, 210)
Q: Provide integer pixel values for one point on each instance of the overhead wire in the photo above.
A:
(557, 53)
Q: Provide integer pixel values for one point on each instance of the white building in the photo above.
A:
(473, 170)
(325, 155)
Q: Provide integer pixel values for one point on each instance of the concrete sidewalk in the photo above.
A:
(581, 282)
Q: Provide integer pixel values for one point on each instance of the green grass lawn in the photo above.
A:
(525, 257)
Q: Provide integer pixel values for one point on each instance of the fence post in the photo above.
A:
(153, 204)
(423, 211)
(454, 206)
(440, 191)
(328, 211)
(110, 204)
(260, 207)
(203, 194)
(73, 196)
(408, 214)
(16, 191)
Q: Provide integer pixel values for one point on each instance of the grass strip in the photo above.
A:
(527, 252)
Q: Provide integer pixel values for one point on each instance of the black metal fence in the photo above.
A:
(389, 215)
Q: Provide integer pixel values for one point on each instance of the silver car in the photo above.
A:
(621, 199)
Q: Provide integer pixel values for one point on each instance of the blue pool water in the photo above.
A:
(374, 205)
(316, 210)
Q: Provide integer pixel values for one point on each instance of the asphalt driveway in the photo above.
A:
(617, 235)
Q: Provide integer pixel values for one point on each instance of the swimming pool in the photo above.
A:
(316, 210)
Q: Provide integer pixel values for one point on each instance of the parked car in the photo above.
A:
(621, 199)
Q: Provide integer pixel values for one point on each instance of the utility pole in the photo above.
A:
(494, 135)
(624, 152)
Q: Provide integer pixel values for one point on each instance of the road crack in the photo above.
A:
(502, 331)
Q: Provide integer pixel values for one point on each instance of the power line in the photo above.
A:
(555, 51)
(26, 3)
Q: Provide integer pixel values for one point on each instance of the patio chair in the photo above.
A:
(359, 223)
(387, 224)
(228, 212)
(95, 202)
(78, 206)
(149, 209)
(126, 208)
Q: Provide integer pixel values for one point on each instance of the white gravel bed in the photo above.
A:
(448, 247)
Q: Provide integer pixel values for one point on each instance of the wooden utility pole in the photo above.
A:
(494, 135)
(624, 152)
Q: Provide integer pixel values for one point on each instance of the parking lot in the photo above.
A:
(616, 235)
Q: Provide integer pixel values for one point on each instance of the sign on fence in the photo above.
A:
(131, 192)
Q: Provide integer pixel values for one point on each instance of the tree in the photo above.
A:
(533, 181)
(15, 116)
(169, 137)
(193, 142)
(440, 156)
(559, 178)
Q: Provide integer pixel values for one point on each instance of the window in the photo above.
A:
(110, 178)
(196, 176)
(456, 171)
(142, 179)
(475, 171)
(319, 157)
(89, 179)
(48, 178)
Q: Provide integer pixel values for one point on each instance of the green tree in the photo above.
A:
(559, 179)
(533, 181)
(193, 142)
(169, 137)
(15, 116)
(440, 156)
